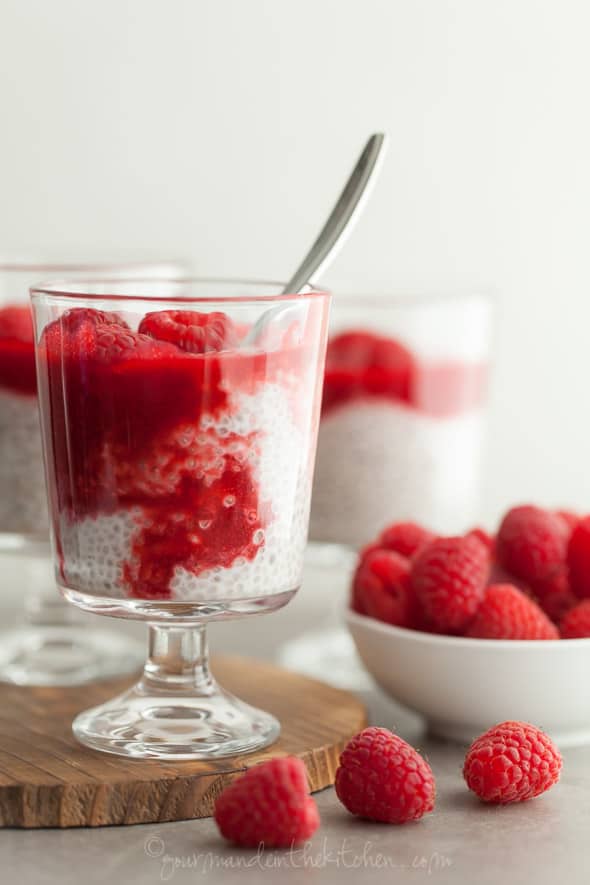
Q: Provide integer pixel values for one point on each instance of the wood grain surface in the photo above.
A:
(48, 779)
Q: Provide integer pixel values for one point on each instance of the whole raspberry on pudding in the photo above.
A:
(449, 577)
(532, 543)
(405, 538)
(512, 762)
(578, 558)
(383, 778)
(191, 330)
(269, 805)
(506, 613)
(576, 622)
(381, 589)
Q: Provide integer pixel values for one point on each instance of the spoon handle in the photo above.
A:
(342, 218)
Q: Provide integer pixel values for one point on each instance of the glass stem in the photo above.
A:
(178, 661)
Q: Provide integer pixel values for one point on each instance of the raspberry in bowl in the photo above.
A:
(180, 459)
(402, 415)
(473, 629)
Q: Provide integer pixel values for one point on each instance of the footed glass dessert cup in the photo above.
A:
(179, 426)
(52, 644)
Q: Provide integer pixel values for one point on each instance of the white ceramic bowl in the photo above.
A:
(464, 686)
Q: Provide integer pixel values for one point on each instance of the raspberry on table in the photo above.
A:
(576, 622)
(512, 762)
(506, 613)
(191, 330)
(269, 804)
(532, 543)
(449, 577)
(383, 778)
(578, 558)
(381, 589)
(405, 538)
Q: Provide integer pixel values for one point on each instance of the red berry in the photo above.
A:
(578, 558)
(486, 539)
(449, 577)
(499, 575)
(76, 331)
(555, 595)
(405, 538)
(531, 543)
(114, 342)
(511, 762)
(77, 317)
(191, 330)
(506, 613)
(383, 778)
(269, 804)
(576, 623)
(361, 363)
(16, 322)
(381, 589)
(571, 519)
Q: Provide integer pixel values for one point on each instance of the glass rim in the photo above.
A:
(75, 290)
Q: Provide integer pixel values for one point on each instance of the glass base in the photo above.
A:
(39, 654)
(143, 724)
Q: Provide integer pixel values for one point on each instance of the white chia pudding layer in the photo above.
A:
(380, 462)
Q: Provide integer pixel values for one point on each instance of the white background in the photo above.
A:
(223, 129)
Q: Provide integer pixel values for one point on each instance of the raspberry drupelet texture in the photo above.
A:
(482, 535)
(383, 778)
(381, 589)
(532, 543)
(578, 558)
(576, 622)
(511, 762)
(449, 577)
(506, 613)
(269, 804)
(191, 330)
(405, 538)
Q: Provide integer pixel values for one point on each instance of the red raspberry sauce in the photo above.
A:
(361, 365)
(123, 434)
(17, 350)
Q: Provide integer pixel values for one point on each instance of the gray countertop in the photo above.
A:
(463, 841)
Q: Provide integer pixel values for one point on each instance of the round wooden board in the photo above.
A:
(47, 779)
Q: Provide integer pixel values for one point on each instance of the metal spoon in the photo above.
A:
(333, 234)
(342, 217)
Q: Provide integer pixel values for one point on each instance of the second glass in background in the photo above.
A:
(401, 439)
(402, 428)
